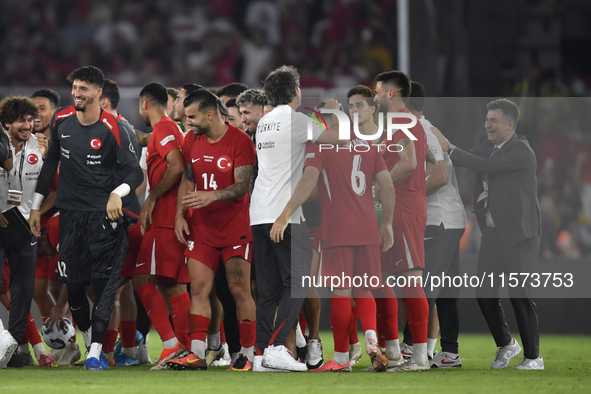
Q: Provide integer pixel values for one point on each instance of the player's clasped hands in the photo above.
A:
(199, 199)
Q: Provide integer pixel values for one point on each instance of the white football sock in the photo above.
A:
(22, 349)
(130, 351)
(170, 343)
(95, 350)
(431, 346)
(248, 352)
(393, 349)
(198, 348)
(87, 335)
(341, 357)
(39, 350)
(300, 339)
(419, 352)
(213, 341)
(370, 334)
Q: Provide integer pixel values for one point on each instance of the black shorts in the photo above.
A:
(88, 248)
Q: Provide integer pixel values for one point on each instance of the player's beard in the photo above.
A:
(85, 104)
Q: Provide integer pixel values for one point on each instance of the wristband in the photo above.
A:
(37, 200)
(122, 190)
(450, 149)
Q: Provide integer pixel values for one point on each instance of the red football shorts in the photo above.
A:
(212, 257)
(408, 251)
(46, 268)
(135, 241)
(354, 262)
(162, 255)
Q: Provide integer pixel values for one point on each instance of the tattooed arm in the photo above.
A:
(407, 163)
(201, 199)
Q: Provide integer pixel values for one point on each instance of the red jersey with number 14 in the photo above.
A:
(222, 223)
(345, 191)
(165, 137)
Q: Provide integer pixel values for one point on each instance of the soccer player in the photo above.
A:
(160, 260)
(446, 221)
(282, 246)
(46, 284)
(235, 117)
(17, 188)
(93, 243)
(172, 95)
(230, 91)
(354, 251)
(219, 159)
(179, 109)
(125, 310)
(405, 159)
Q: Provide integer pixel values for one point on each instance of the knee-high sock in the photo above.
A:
(353, 335)
(180, 314)
(127, 329)
(110, 339)
(247, 333)
(387, 313)
(367, 309)
(418, 312)
(156, 309)
(340, 322)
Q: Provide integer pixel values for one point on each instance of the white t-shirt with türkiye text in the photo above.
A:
(281, 139)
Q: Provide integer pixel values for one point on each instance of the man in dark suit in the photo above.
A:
(508, 213)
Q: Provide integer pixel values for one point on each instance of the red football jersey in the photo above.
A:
(410, 192)
(166, 136)
(345, 191)
(222, 223)
(53, 230)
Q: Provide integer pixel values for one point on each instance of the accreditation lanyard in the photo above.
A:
(20, 173)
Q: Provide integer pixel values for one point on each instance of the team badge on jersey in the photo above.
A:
(95, 143)
(224, 164)
(32, 158)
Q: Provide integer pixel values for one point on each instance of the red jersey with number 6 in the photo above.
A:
(345, 191)
(222, 223)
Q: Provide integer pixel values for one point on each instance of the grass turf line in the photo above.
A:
(567, 368)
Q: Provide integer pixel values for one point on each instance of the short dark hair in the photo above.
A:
(88, 74)
(111, 92)
(15, 108)
(280, 85)
(252, 96)
(417, 98)
(51, 95)
(509, 108)
(364, 91)
(231, 90)
(204, 99)
(396, 78)
(231, 103)
(190, 88)
(156, 93)
(172, 92)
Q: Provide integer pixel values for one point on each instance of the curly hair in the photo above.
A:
(251, 96)
(280, 85)
(15, 108)
(88, 74)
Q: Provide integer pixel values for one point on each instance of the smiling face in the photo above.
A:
(170, 109)
(198, 121)
(84, 94)
(251, 114)
(179, 109)
(499, 128)
(234, 118)
(46, 109)
(20, 130)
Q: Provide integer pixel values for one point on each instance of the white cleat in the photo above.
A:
(355, 353)
(446, 360)
(70, 355)
(142, 352)
(406, 350)
(226, 359)
(505, 354)
(7, 347)
(531, 364)
(279, 357)
(257, 366)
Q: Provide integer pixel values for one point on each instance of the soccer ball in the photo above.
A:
(60, 335)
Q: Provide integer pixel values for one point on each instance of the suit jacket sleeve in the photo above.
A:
(515, 157)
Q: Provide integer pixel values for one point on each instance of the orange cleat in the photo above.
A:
(166, 355)
(189, 362)
(379, 362)
(333, 366)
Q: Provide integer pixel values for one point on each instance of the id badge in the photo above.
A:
(15, 197)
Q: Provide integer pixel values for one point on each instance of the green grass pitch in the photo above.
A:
(567, 370)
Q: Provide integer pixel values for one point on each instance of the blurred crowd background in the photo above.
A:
(458, 48)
